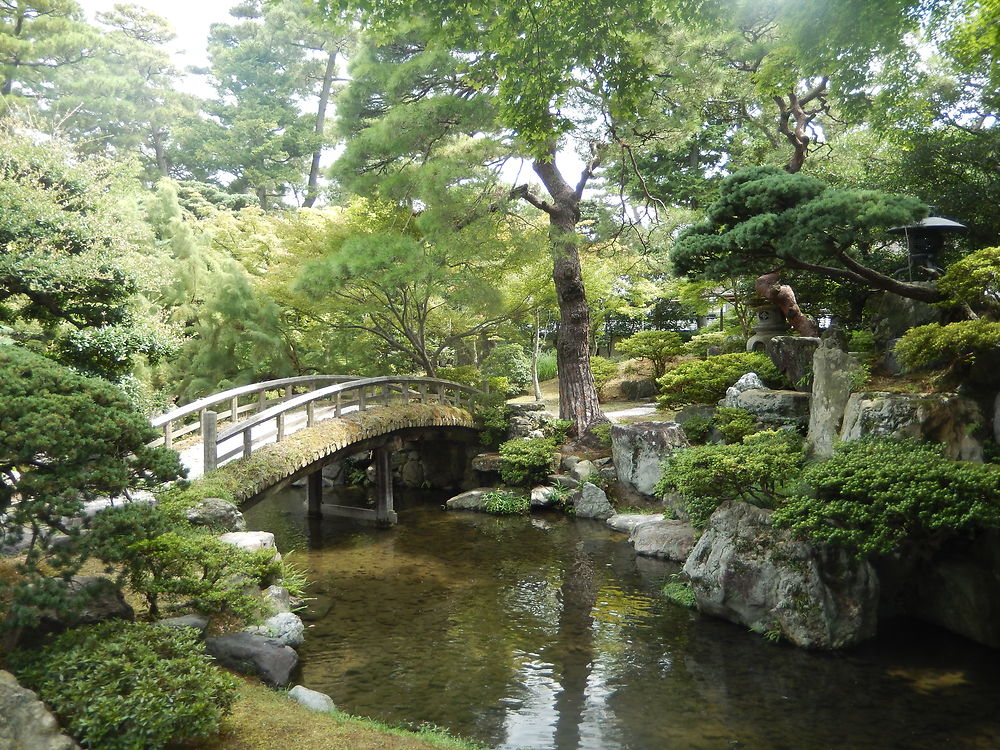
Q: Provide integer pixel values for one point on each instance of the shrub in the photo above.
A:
(129, 685)
(696, 429)
(874, 495)
(186, 566)
(492, 415)
(975, 279)
(602, 431)
(526, 461)
(604, 370)
(734, 424)
(508, 361)
(755, 471)
(506, 503)
(558, 429)
(656, 346)
(955, 346)
(726, 343)
(706, 381)
(547, 369)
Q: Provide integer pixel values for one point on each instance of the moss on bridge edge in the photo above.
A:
(245, 477)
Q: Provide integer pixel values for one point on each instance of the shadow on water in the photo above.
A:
(547, 632)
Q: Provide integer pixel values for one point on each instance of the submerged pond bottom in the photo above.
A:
(547, 632)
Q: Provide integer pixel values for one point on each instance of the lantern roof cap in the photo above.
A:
(931, 223)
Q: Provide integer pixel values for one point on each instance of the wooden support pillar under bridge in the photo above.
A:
(383, 514)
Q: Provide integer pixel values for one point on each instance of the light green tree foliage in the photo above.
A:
(65, 439)
(37, 37)
(125, 99)
(69, 249)
(379, 270)
(255, 138)
(656, 346)
(232, 330)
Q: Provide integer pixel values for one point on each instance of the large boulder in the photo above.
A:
(744, 570)
(25, 723)
(664, 538)
(896, 315)
(833, 377)
(793, 356)
(639, 450)
(252, 654)
(217, 514)
(935, 417)
(773, 408)
(582, 469)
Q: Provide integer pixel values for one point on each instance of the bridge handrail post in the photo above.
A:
(362, 402)
(281, 426)
(310, 414)
(337, 405)
(168, 433)
(209, 435)
(422, 391)
(386, 394)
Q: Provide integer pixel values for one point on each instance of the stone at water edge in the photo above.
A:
(286, 628)
(251, 654)
(471, 500)
(639, 450)
(625, 522)
(744, 570)
(311, 699)
(665, 538)
(592, 502)
(25, 722)
(543, 497)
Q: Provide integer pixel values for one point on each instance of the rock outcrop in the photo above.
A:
(833, 375)
(471, 500)
(773, 408)
(793, 356)
(286, 628)
(935, 417)
(744, 570)
(665, 538)
(639, 450)
(25, 723)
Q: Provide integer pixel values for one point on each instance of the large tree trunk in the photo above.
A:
(312, 187)
(535, 350)
(578, 401)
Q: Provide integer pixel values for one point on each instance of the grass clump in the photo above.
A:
(679, 591)
(506, 503)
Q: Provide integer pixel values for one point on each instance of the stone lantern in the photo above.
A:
(770, 323)
(924, 240)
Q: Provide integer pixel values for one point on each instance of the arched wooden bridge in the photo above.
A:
(232, 424)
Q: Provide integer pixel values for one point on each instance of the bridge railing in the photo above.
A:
(189, 419)
(353, 395)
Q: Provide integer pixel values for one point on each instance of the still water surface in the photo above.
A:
(547, 633)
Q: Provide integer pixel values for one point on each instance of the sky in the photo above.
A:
(189, 18)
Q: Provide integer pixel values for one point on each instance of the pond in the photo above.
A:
(547, 632)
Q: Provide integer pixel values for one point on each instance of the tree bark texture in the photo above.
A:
(578, 401)
(312, 187)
